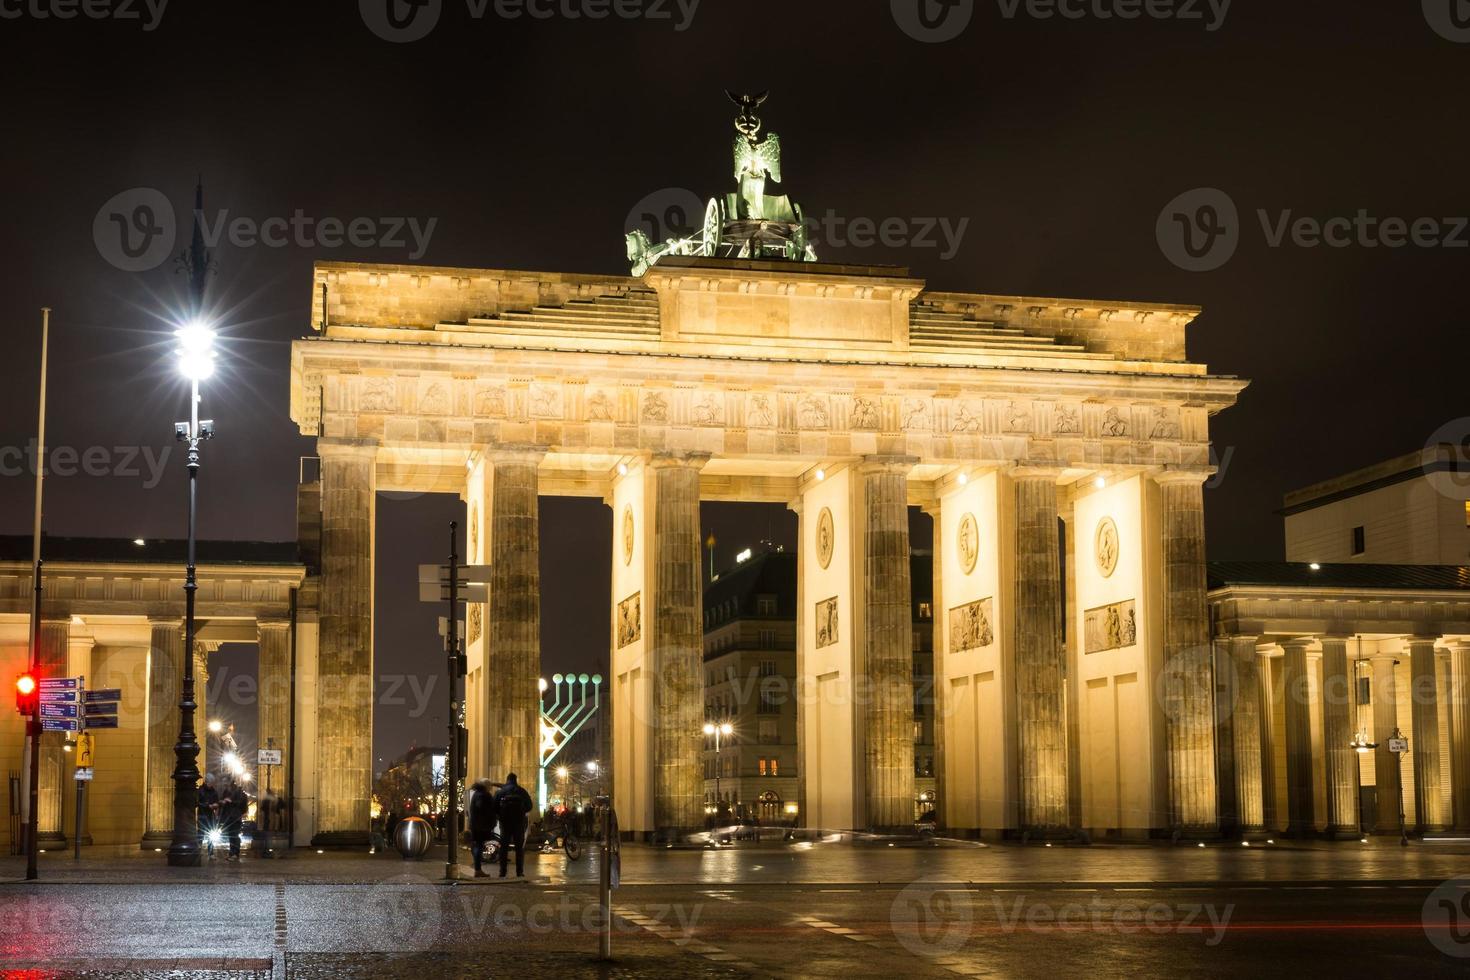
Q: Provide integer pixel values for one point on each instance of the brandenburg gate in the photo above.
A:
(1061, 447)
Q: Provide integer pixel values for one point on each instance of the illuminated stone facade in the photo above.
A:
(853, 391)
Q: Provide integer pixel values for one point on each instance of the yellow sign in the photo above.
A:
(86, 745)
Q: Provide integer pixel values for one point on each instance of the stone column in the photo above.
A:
(513, 630)
(888, 644)
(1385, 763)
(1338, 696)
(1189, 704)
(165, 677)
(1245, 731)
(345, 660)
(1040, 694)
(1459, 706)
(677, 645)
(1424, 701)
(1301, 818)
(274, 708)
(941, 686)
(1270, 805)
(53, 661)
(1226, 695)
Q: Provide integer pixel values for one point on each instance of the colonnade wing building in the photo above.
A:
(1030, 428)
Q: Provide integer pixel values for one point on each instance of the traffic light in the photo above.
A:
(27, 692)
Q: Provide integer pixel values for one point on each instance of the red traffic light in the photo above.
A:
(26, 694)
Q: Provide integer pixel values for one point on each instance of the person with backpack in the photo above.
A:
(514, 804)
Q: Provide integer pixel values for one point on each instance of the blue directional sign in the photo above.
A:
(106, 721)
(109, 694)
(49, 710)
(56, 697)
(58, 684)
(60, 725)
(94, 710)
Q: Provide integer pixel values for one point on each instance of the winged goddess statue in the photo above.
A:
(748, 223)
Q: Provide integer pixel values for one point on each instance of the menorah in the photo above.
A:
(562, 721)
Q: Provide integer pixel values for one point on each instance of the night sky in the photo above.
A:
(529, 143)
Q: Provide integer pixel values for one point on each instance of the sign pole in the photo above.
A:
(451, 832)
(33, 724)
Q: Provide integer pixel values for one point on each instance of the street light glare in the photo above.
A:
(709, 729)
(196, 350)
(195, 337)
(726, 728)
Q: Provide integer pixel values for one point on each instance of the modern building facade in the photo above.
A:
(1410, 510)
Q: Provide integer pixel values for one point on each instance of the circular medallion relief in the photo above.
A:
(1105, 546)
(967, 539)
(628, 534)
(826, 537)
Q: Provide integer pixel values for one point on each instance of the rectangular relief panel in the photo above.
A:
(970, 626)
(1110, 627)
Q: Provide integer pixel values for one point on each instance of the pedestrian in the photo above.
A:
(483, 812)
(515, 805)
(209, 810)
(232, 813)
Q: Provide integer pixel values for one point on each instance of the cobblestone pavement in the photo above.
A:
(1366, 911)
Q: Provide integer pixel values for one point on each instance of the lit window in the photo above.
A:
(774, 767)
(926, 610)
(763, 766)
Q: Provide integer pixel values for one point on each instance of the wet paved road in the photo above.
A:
(1161, 912)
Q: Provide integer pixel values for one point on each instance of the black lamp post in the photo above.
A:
(196, 361)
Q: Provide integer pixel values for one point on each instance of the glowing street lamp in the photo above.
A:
(196, 362)
(724, 729)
